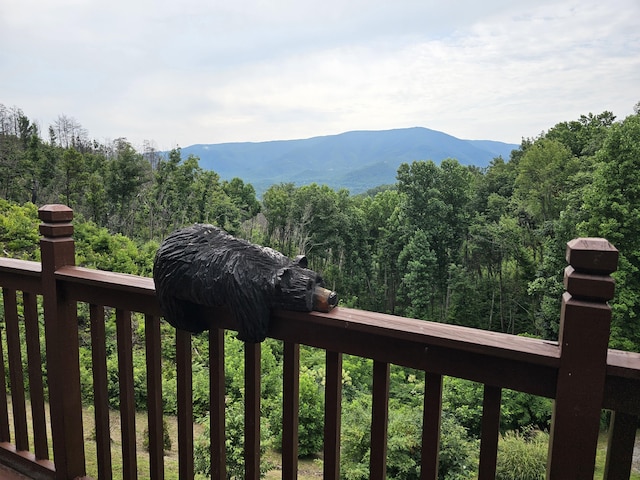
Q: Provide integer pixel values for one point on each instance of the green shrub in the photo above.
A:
(522, 456)
(234, 443)
(458, 452)
(310, 417)
(519, 410)
(166, 438)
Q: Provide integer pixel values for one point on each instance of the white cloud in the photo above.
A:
(204, 72)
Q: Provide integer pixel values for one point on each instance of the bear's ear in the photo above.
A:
(301, 260)
(283, 275)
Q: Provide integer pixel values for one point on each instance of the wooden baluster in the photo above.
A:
(379, 420)
(127, 400)
(431, 416)
(332, 416)
(5, 436)
(290, 410)
(252, 355)
(490, 432)
(100, 391)
(585, 322)
(61, 331)
(185, 405)
(622, 435)
(154, 397)
(36, 387)
(217, 420)
(16, 376)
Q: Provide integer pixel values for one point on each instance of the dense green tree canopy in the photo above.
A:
(448, 243)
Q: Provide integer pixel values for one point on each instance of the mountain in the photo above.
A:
(357, 160)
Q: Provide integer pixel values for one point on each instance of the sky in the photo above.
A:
(205, 71)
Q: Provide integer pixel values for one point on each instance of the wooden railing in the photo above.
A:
(578, 372)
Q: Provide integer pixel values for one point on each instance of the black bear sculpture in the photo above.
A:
(204, 265)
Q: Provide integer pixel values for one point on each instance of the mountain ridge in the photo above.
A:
(357, 160)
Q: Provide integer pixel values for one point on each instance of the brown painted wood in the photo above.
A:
(21, 275)
(351, 321)
(290, 410)
(332, 416)
(217, 415)
(127, 400)
(585, 286)
(490, 432)
(379, 421)
(117, 290)
(592, 255)
(62, 346)
(622, 386)
(337, 333)
(583, 339)
(16, 377)
(34, 369)
(431, 417)
(252, 355)
(394, 328)
(185, 405)
(100, 391)
(55, 213)
(622, 394)
(26, 463)
(580, 391)
(622, 436)
(154, 396)
(5, 436)
(623, 364)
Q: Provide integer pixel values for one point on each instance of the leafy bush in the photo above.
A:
(310, 419)
(522, 456)
(458, 453)
(19, 236)
(234, 444)
(355, 436)
(519, 410)
(166, 438)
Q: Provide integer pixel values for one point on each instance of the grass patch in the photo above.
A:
(308, 468)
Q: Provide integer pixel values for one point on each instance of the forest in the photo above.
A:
(447, 243)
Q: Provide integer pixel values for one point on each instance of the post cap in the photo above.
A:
(592, 255)
(55, 213)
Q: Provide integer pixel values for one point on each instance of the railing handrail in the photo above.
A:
(620, 364)
(394, 327)
(84, 284)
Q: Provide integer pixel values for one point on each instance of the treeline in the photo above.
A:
(139, 194)
(448, 243)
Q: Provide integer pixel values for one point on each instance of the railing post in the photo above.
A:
(585, 323)
(61, 331)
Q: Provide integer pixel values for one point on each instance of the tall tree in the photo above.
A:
(126, 173)
(74, 177)
(613, 203)
(278, 202)
(584, 136)
(437, 204)
(69, 132)
(543, 175)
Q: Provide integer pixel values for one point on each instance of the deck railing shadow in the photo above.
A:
(578, 372)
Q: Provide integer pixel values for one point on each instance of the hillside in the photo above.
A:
(356, 160)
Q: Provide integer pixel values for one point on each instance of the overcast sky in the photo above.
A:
(205, 71)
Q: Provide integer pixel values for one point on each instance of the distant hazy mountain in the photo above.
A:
(357, 160)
